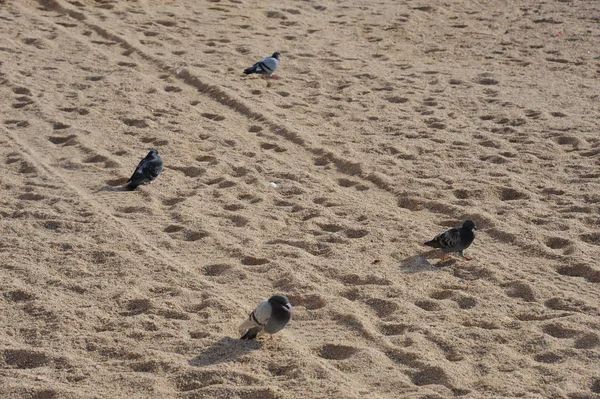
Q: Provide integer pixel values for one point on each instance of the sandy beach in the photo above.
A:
(391, 121)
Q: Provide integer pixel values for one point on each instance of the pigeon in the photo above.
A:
(455, 240)
(269, 316)
(265, 67)
(147, 170)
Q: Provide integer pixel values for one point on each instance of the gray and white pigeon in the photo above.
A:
(270, 316)
(265, 67)
(147, 170)
(455, 240)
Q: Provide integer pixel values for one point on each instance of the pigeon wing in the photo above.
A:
(153, 168)
(448, 239)
(269, 64)
(258, 318)
(138, 170)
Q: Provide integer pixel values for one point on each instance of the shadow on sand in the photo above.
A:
(420, 263)
(226, 350)
(111, 188)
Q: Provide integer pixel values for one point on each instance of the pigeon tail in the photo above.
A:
(251, 333)
(433, 243)
(130, 186)
(252, 69)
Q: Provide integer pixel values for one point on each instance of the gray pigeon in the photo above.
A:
(269, 316)
(455, 240)
(147, 170)
(265, 67)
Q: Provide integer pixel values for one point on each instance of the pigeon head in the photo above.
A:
(153, 153)
(279, 300)
(276, 55)
(469, 225)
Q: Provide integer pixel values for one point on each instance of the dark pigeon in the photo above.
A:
(270, 316)
(455, 240)
(147, 170)
(265, 67)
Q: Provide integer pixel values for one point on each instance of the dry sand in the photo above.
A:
(392, 121)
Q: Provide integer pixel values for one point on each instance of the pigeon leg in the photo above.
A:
(444, 256)
(464, 256)
(274, 77)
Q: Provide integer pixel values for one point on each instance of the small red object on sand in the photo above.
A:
(558, 33)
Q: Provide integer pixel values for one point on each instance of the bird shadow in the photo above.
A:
(111, 188)
(226, 350)
(421, 263)
(114, 185)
